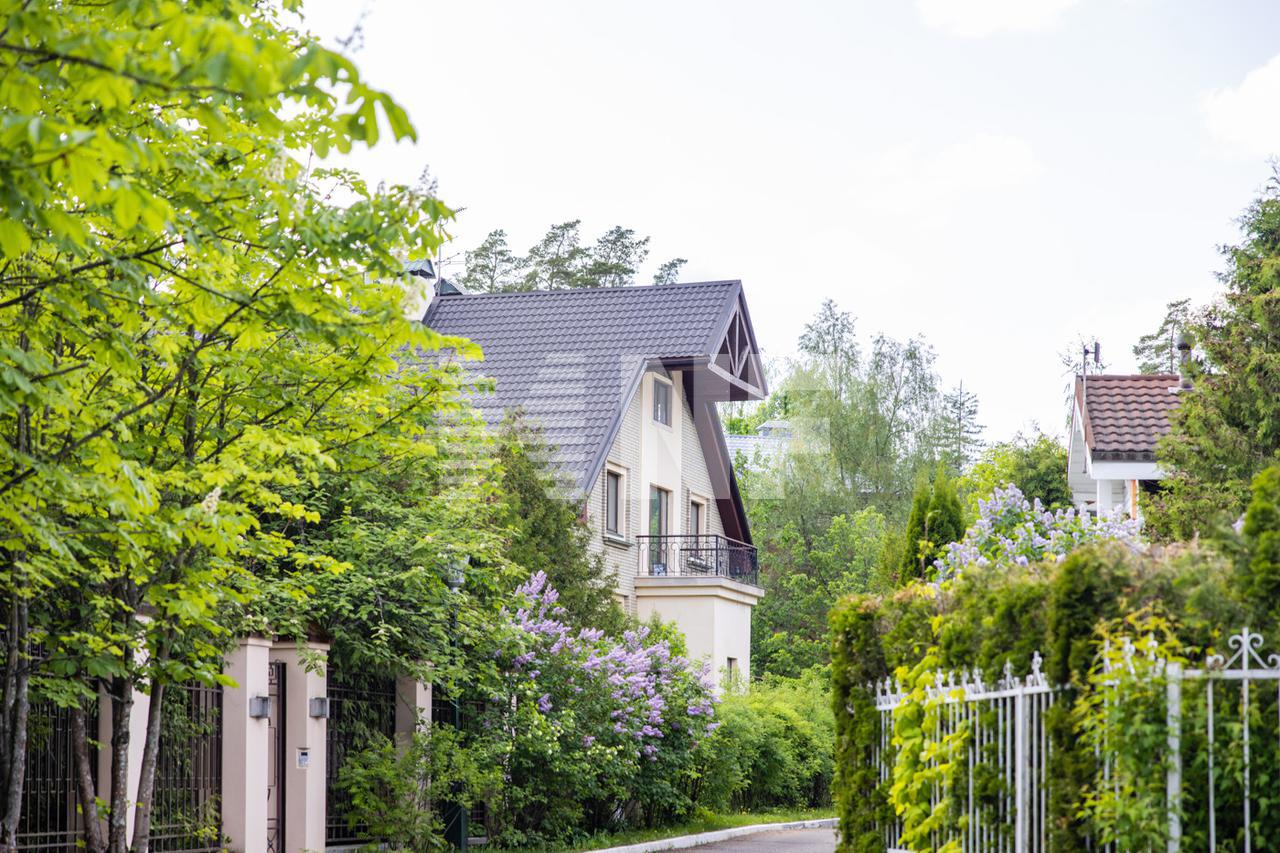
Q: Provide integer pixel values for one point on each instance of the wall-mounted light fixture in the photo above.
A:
(259, 707)
(320, 707)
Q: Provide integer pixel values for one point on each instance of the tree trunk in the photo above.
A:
(17, 707)
(147, 773)
(121, 711)
(17, 699)
(93, 841)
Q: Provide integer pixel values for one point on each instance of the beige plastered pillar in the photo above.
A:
(303, 775)
(246, 748)
(413, 708)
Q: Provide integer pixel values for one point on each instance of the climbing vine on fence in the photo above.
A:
(927, 767)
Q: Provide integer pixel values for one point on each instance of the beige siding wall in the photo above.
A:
(620, 555)
(627, 456)
(696, 481)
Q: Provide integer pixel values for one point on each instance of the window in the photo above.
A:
(613, 503)
(732, 666)
(659, 511)
(697, 513)
(662, 402)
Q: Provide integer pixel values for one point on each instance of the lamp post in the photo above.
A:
(455, 816)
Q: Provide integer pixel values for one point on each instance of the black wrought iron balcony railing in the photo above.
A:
(698, 555)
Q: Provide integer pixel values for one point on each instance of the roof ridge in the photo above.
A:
(1130, 376)
(628, 288)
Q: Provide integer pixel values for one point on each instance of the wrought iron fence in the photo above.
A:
(50, 817)
(1002, 781)
(706, 554)
(187, 811)
(1002, 792)
(360, 707)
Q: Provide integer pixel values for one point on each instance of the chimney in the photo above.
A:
(1184, 361)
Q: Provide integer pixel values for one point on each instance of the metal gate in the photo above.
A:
(50, 817)
(276, 758)
(361, 707)
(188, 789)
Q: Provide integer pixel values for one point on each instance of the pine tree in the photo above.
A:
(914, 552)
(614, 259)
(492, 267)
(946, 515)
(1158, 351)
(961, 437)
(557, 261)
(669, 272)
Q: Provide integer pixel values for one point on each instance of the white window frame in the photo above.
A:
(700, 528)
(671, 401)
(619, 536)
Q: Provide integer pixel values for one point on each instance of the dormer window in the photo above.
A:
(662, 401)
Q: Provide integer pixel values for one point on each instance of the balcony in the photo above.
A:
(700, 555)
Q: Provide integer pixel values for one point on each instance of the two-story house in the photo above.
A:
(624, 384)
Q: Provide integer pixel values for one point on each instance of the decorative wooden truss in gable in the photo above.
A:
(737, 357)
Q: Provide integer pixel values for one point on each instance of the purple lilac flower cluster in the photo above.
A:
(1011, 530)
(637, 690)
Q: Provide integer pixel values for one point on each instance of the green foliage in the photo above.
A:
(773, 747)
(1227, 429)
(399, 791)
(196, 333)
(857, 659)
(559, 261)
(988, 616)
(593, 733)
(960, 434)
(868, 421)
(1037, 465)
(1124, 712)
(926, 768)
(547, 532)
(936, 520)
(1262, 537)
(803, 578)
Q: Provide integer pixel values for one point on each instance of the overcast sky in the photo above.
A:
(994, 175)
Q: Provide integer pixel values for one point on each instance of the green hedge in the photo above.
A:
(991, 615)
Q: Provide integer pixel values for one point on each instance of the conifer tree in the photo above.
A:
(1227, 429)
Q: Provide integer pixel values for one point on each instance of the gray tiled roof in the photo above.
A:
(569, 358)
(756, 450)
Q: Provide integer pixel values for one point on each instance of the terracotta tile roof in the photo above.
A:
(1124, 416)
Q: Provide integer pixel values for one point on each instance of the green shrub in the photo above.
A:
(399, 792)
(773, 747)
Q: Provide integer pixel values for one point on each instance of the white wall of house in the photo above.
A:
(648, 453)
(714, 613)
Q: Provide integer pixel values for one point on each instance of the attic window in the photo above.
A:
(661, 402)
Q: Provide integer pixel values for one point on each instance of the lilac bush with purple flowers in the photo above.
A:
(596, 729)
(1011, 530)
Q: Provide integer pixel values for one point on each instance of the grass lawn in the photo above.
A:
(702, 822)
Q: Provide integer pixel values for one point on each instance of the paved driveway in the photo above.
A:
(786, 841)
